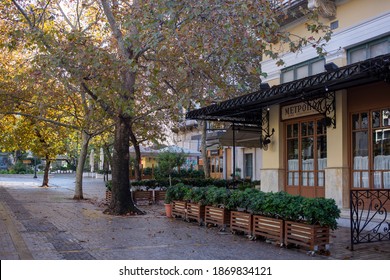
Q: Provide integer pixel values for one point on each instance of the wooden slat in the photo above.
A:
(195, 212)
(179, 208)
(313, 237)
(217, 216)
(241, 221)
(269, 228)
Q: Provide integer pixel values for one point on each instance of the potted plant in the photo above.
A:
(215, 212)
(317, 216)
(175, 194)
(268, 209)
(240, 218)
(196, 197)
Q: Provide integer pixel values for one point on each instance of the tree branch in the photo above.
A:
(23, 12)
(42, 119)
(115, 30)
(102, 104)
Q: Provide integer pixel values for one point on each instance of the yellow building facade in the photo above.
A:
(330, 115)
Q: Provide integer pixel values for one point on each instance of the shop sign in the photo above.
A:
(302, 109)
(214, 152)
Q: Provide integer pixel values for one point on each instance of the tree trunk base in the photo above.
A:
(78, 197)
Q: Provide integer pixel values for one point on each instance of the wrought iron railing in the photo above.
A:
(369, 216)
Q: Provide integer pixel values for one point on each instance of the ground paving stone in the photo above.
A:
(54, 226)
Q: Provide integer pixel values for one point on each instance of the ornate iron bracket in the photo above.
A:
(265, 133)
(326, 106)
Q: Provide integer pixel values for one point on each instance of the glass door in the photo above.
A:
(306, 157)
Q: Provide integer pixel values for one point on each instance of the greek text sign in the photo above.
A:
(302, 109)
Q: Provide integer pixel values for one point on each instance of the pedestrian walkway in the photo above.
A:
(47, 224)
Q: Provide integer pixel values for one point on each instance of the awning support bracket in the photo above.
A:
(325, 105)
(265, 134)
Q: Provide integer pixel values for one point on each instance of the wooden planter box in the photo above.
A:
(270, 228)
(159, 196)
(179, 209)
(108, 196)
(195, 212)
(313, 237)
(241, 222)
(217, 216)
(142, 196)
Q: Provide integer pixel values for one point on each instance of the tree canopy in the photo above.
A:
(137, 63)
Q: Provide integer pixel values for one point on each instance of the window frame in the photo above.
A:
(295, 68)
(367, 46)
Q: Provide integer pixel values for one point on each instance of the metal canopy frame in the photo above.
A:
(248, 109)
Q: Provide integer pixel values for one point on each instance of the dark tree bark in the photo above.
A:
(121, 202)
(45, 182)
(137, 169)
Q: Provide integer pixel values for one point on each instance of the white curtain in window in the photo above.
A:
(308, 177)
(293, 177)
(322, 164)
(382, 163)
(360, 163)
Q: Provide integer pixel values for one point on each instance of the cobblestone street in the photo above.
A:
(47, 224)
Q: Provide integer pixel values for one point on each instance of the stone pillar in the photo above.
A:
(272, 171)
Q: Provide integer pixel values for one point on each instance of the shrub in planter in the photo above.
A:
(321, 211)
(196, 195)
(266, 222)
(175, 196)
(241, 199)
(196, 205)
(311, 229)
(176, 192)
(216, 196)
(283, 205)
(215, 213)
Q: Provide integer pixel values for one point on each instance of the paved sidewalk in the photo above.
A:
(46, 223)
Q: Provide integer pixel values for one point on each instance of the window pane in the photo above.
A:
(385, 117)
(310, 128)
(304, 129)
(379, 49)
(302, 72)
(358, 55)
(317, 67)
(321, 127)
(307, 161)
(321, 159)
(360, 144)
(355, 121)
(381, 157)
(376, 119)
(292, 162)
(288, 76)
(295, 130)
(364, 120)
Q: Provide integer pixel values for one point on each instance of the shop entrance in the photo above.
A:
(306, 157)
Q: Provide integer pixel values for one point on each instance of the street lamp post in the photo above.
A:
(35, 168)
